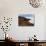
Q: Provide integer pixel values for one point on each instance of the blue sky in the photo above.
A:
(29, 16)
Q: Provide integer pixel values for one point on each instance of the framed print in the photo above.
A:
(26, 20)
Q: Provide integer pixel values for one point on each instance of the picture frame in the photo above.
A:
(26, 20)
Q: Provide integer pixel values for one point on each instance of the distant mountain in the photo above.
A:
(24, 18)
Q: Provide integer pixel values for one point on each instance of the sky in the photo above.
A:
(29, 16)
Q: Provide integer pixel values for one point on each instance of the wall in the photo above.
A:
(12, 8)
(45, 28)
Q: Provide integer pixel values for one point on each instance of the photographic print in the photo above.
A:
(26, 20)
